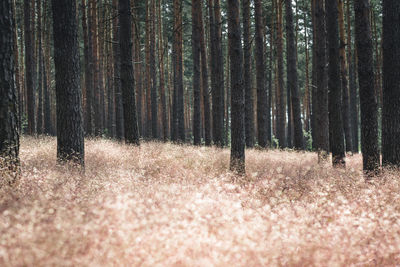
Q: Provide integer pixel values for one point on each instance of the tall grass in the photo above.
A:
(169, 205)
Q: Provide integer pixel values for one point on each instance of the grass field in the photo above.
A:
(170, 205)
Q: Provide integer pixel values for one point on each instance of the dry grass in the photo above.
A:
(168, 205)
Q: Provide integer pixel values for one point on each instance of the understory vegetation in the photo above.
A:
(171, 205)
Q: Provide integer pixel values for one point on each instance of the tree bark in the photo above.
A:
(334, 86)
(280, 101)
(345, 84)
(292, 78)
(205, 87)
(320, 96)
(196, 6)
(260, 76)
(178, 103)
(127, 79)
(237, 163)
(368, 104)
(391, 85)
(119, 112)
(70, 142)
(29, 63)
(9, 136)
(249, 112)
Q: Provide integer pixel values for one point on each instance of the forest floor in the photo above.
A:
(170, 205)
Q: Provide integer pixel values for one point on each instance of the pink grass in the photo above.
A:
(168, 205)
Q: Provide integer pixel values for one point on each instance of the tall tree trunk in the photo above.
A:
(352, 82)
(119, 112)
(88, 72)
(29, 63)
(204, 80)
(40, 72)
(369, 108)
(249, 112)
(237, 163)
(334, 85)
(320, 96)
(345, 85)
(178, 103)
(280, 101)
(47, 92)
(260, 75)
(93, 28)
(9, 136)
(196, 6)
(391, 85)
(70, 142)
(127, 79)
(154, 102)
(292, 78)
(161, 55)
(217, 82)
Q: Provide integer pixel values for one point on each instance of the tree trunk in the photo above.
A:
(345, 85)
(292, 81)
(369, 108)
(40, 72)
(280, 101)
(237, 163)
(205, 87)
(154, 102)
(29, 63)
(88, 72)
(260, 75)
(9, 136)
(391, 85)
(119, 112)
(334, 85)
(196, 6)
(70, 142)
(249, 112)
(178, 103)
(352, 83)
(320, 96)
(127, 79)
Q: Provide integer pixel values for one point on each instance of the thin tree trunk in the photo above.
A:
(260, 76)
(237, 163)
(204, 80)
(352, 83)
(29, 63)
(119, 112)
(249, 112)
(196, 6)
(280, 101)
(154, 101)
(345, 85)
(292, 81)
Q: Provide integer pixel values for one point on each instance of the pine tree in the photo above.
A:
(334, 86)
(368, 104)
(292, 78)
(70, 143)
(237, 163)
(9, 136)
(391, 85)
(127, 80)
